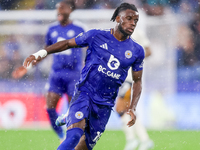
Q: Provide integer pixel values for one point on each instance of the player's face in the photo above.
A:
(127, 21)
(63, 12)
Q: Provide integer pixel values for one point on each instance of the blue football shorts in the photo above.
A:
(63, 82)
(82, 107)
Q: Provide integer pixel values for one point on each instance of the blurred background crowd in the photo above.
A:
(172, 26)
(152, 7)
(187, 46)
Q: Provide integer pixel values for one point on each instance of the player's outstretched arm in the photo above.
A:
(55, 48)
(136, 92)
(19, 72)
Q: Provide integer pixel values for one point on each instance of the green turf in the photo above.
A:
(28, 140)
(176, 140)
(110, 140)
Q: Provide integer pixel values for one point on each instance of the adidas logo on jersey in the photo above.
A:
(105, 46)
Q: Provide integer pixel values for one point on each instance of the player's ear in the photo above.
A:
(118, 19)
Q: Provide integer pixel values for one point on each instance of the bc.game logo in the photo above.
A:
(113, 63)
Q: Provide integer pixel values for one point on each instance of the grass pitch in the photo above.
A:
(110, 140)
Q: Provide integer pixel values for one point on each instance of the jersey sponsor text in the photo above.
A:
(108, 73)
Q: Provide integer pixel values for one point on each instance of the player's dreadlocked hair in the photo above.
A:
(71, 3)
(122, 7)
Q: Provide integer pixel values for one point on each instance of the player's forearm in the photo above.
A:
(57, 47)
(41, 54)
(136, 92)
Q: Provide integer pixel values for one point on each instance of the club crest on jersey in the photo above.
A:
(128, 54)
(79, 115)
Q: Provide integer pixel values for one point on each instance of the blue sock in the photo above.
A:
(52, 117)
(72, 139)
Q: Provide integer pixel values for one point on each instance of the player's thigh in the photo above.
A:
(52, 99)
(82, 144)
(80, 124)
(96, 124)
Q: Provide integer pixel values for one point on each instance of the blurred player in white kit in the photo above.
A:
(136, 136)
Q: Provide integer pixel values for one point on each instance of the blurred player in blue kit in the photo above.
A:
(66, 67)
(109, 56)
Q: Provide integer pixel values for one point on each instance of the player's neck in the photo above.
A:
(119, 35)
(65, 23)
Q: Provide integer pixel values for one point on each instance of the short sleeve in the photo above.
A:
(138, 64)
(48, 39)
(85, 39)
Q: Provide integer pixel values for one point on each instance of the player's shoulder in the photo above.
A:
(92, 34)
(99, 31)
(104, 30)
(54, 25)
(79, 24)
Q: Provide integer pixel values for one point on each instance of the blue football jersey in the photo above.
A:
(72, 58)
(107, 63)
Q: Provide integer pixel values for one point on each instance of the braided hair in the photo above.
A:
(122, 7)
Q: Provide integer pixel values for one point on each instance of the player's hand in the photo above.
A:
(31, 59)
(133, 117)
(19, 72)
